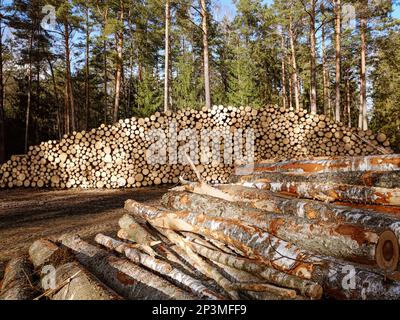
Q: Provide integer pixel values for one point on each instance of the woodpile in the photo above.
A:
(115, 156)
(243, 240)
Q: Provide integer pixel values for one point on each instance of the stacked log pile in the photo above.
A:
(115, 156)
(246, 239)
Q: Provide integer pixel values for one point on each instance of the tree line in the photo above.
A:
(69, 65)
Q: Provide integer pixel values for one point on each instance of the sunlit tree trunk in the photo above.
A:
(294, 65)
(205, 55)
(338, 35)
(166, 66)
(363, 120)
(118, 72)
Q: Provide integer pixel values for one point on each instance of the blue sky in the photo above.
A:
(228, 4)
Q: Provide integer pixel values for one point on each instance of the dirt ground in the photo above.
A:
(28, 214)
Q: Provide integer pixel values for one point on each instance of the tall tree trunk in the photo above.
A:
(57, 100)
(2, 122)
(69, 92)
(205, 55)
(338, 35)
(29, 99)
(313, 71)
(325, 71)
(105, 73)
(284, 96)
(118, 73)
(294, 64)
(348, 99)
(166, 67)
(363, 120)
(290, 84)
(87, 70)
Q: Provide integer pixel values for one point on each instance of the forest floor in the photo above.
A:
(28, 214)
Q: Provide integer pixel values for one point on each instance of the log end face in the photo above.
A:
(387, 251)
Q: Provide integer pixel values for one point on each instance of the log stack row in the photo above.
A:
(115, 156)
(253, 238)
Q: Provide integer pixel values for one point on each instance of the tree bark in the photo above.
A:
(17, 281)
(338, 36)
(262, 246)
(29, 99)
(69, 96)
(382, 179)
(283, 50)
(362, 163)
(2, 118)
(294, 64)
(159, 266)
(325, 71)
(205, 54)
(118, 72)
(313, 57)
(363, 120)
(123, 276)
(72, 281)
(166, 66)
(323, 238)
(348, 99)
(87, 70)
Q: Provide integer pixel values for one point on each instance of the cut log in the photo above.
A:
(199, 263)
(71, 280)
(160, 266)
(382, 179)
(121, 275)
(333, 192)
(305, 287)
(17, 283)
(355, 244)
(260, 245)
(367, 163)
(315, 210)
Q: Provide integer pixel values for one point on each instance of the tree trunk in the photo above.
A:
(2, 120)
(310, 236)
(348, 99)
(105, 73)
(274, 252)
(160, 266)
(57, 100)
(70, 108)
(294, 64)
(338, 35)
(29, 99)
(118, 72)
(313, 57)
(284, 96)
(325, 71)
(382, 179)
(17, 281)
(166, 67)
(87, 71)
(72, 281)
(363, 120)
(205, 54)
(126, 278)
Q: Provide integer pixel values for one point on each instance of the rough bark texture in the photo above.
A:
(367, 163)
(72, 280)
(333, 192)
(260, 245)
(160, 266)
(17, 281)
(382, 179)
(338, 240)
(338, 39)
(121, 275)
(205, 54)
